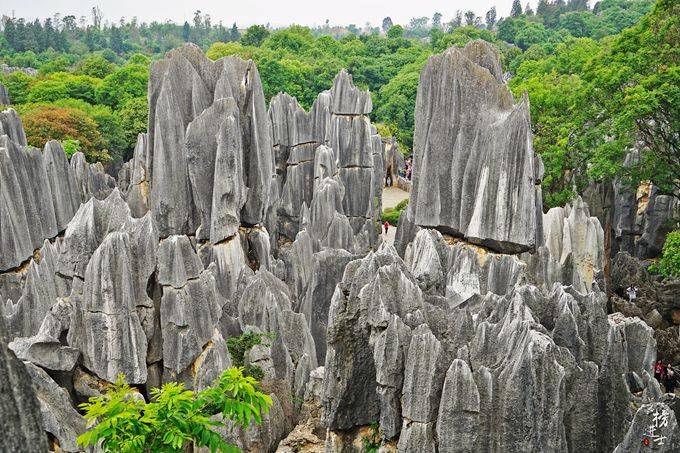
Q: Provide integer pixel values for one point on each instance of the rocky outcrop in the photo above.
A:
(38, 211)
(207, 130)
(486, 191)
(642, 218)
(4, 95)
(572, 250)
(653, 428)
(335, 140)
(229, 221)
(21, 428)
(393, 161)
(447, 367)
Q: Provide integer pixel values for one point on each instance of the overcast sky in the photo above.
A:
(248, 12)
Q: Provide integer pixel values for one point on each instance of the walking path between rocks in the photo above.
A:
(392, 196)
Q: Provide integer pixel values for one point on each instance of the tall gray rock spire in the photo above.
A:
(474, 162)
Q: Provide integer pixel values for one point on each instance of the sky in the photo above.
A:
(249, 12)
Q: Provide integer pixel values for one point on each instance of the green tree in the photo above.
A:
(47, 122)
(254, 35)
(133, 118)
(176, 418)
(387, 24)
(186, 32)
(95, 66)
(123, 84)
(395, 32)
(516, 9)
(490, 18)
(234, 34)
(636, 87)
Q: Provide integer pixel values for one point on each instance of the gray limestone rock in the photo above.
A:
(347, 99)
(106, 326)
(10, 125)
(41, 288)
(458, 419)
(4, 95)
(137, 191)
(187, 93)
(177, 262)
(21, 424)
(59, 417)
(190, 306)
(91, 179)
(327, 270)
(574, 248)
(654, 428)
(466, 116)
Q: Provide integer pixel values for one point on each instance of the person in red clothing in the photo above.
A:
(386, 225)
(659, 371)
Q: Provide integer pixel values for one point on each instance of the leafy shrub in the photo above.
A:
(669, 263)
(371, 442)
(70, 146)
(391, 216)
(238, 346)
(401, 205)
(46, 123)
(175, 418)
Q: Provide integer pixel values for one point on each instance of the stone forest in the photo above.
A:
(484, 325)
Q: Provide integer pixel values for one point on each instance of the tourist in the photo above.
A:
(671, 379)
(632, 292)
(386, 225)
(659, 371)
(388, 178)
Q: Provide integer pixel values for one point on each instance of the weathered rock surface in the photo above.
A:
(572, 250)
(229, 220)
(642, 217)
(200, 133)
(4, 95)
(653, 428)
(21, 424)
(466, 117)
(60, 418)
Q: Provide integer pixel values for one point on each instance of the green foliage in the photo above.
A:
(391, 215)
(175, 418)
(371, 442)
(95, 66)
(403, 204)
(48, 122)
(70, 146)
(669, 263)
(254, 35)
(18, 85)
(239, 346)
(133, 118)
(123, 84)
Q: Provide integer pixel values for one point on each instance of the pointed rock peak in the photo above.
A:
(347, 98)
(10, 125)
(485, 55)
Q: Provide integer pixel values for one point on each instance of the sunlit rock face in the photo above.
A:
(486, 332)
(336, 140)
(465, 344)
(209, 159)
(40, 192)
(474, 174)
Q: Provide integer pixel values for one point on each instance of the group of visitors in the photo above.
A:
(409, 167)
(666, 375)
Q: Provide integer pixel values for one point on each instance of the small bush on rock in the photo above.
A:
(176, 418)
(669, 263)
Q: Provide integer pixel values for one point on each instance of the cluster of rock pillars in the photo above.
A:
(484, 328)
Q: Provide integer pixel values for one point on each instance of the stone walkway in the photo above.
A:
(391, 196)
